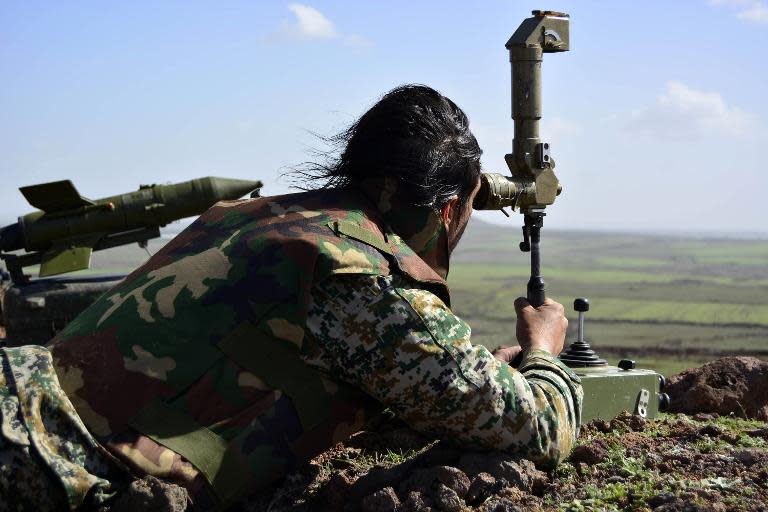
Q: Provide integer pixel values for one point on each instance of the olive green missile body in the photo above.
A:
(68, 227)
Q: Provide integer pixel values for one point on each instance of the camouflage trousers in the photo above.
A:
(48, 460)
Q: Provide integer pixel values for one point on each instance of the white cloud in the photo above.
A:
(685, 112)
(311, 23)
(754, 11)
(758, 13)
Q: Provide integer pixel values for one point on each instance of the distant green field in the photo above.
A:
(669, 302)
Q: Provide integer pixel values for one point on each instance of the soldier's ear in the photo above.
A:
(450, 210)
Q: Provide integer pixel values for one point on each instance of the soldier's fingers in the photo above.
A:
(522, 303)
(552, 304)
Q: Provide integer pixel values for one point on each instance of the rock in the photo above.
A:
(711, 430)
(730, 385)
(661, 499)
(512, 499)
(416, 502)
(601, 425)
(652, 460)
(684, 457)
(483, 486)
(499, 505)
(453, 478)
(591, 453)
(750, 456)
(150, 493)
(519, 473)
(424, 479)
(446, 499)
(383, 500)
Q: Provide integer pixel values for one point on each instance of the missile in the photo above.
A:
(68, 227)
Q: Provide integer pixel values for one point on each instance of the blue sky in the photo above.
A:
(658, 116)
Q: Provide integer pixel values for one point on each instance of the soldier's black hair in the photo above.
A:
(413, 134)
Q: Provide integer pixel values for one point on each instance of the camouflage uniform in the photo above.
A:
(404, 347)
(48, 460)
(271, 328)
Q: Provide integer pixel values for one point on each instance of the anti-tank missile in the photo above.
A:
(68, 227)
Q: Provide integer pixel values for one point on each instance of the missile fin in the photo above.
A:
(55, 196)
(68, 256)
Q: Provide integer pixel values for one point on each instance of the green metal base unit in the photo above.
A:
(609, 390)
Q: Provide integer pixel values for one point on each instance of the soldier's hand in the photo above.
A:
(507, 354)
(541, 328)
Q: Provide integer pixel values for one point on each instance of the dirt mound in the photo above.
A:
(674, 463)
(727, 386)
(419, 486)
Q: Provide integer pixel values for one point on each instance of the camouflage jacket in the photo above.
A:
(199, 349)
(192, 370)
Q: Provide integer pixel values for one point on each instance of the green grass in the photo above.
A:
(463, 273)
(669, 302)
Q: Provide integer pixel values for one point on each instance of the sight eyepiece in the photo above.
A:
(498, 191)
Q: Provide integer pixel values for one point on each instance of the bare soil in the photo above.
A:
(711, 459)
(673, 463)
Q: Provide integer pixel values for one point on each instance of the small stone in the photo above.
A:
(453, 478)
(446, 499)
(519, 473)
(711, 430)
(481, 488)
(501, 505)
(416, 502)
(704, 416)
(652, 460)
(601, 425)
(661, 499)
(383, 500)
(637, 423)
(749, 456)
(591, 453)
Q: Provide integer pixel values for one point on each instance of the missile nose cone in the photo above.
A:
(228, 188)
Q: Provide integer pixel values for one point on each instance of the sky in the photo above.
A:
(657, 117)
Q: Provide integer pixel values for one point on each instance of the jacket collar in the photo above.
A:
(421, 227)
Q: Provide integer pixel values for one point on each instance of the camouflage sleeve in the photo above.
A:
(405, 347)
